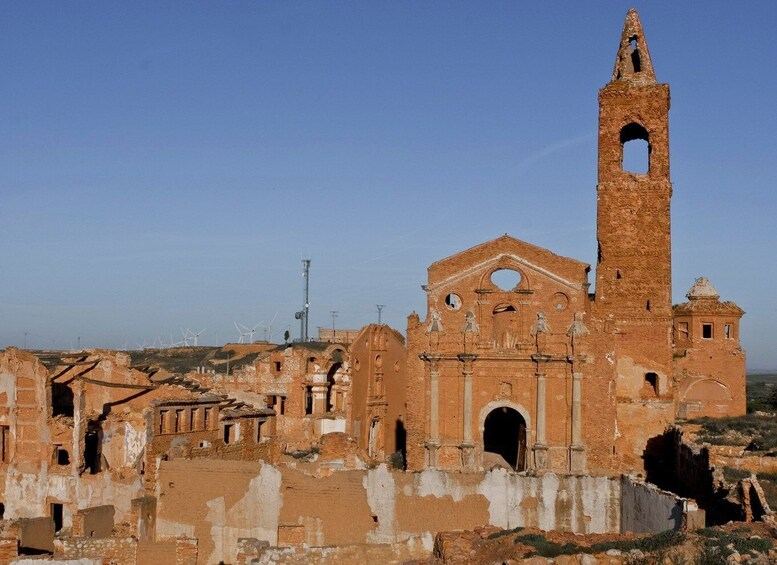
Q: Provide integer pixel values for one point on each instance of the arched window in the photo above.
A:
(506, 279)
(635, 142)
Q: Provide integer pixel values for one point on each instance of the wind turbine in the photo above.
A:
(268, 329)
(196, 335)
(252, 331)
(241, 332)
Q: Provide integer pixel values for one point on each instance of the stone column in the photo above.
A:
(541, 447)
(576, 450)
(433, 440)
(319, 390)
(467, 445)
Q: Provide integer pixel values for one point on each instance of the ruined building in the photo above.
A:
(518, 364)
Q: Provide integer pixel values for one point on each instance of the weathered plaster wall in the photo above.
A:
(647, 509)
(219, 502)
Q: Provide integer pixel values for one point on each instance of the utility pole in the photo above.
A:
(334, 315)
(380, 310)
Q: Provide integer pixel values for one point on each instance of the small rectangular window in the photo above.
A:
(727, 331)
(228, 438)
(259, 434)
(277, 366)
(706, 331)
(179, 420)
(162, 418)
(61, 456)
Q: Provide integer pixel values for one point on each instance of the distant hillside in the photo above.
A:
(188, 359)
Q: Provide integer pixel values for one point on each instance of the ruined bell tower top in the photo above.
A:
(633, 62)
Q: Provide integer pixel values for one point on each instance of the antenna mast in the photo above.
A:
(380, 309)
(302, 315)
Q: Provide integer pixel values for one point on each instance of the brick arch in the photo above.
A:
(493, 405)
(505, 263)
(706, 390)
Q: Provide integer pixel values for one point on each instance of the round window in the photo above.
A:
(453, 301)
(560, 302)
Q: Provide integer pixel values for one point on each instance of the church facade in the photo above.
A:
(518, 364)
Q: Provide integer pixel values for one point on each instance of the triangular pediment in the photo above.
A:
(569, 272)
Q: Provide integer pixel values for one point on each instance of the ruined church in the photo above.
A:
(517, 363)
(523, 388)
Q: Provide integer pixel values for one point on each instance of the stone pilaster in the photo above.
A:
(541, 446)
(576, 450)
(432, 443)
(467, 444)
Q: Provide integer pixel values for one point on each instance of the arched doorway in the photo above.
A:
(504, 433)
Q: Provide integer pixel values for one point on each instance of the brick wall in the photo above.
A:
(119, 551)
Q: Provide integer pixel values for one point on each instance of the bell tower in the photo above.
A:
(633, 300)
(633, 272)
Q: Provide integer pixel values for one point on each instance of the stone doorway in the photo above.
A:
(504, 433)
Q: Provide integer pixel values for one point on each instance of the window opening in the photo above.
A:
(92, 454)
(228, 433)
(259, 434)
(453, 301)
(61, 455)
(330, 381)
(506, 279)
(618, 274)
(636, 64)
(651, 381)
(647, 306)
(727, 331)
(57, 515)
(706, 331)
(635, 145)
(277, 365)
(178, 420)
(192, 419)
(61, 400)
(308, 400)
(162, 421)
(2, 510)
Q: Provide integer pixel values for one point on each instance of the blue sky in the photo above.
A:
(168, 164)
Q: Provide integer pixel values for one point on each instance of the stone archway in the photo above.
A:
(504, 433)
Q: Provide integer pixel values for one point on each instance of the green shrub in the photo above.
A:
(545, 548)
(503, 533)
(646, 544)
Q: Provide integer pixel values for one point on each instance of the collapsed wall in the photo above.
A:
(646, 509)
